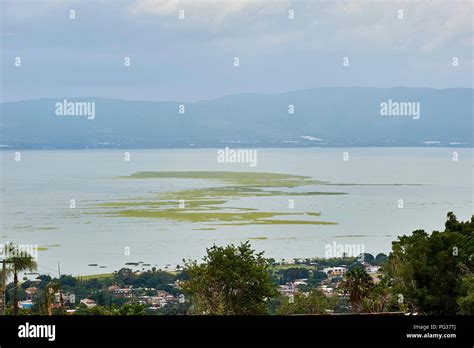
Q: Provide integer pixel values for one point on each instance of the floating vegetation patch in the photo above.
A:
(356, 184)
(20, 226)
(46, 247)
(249, 179)
(208, 205)
(280, 222)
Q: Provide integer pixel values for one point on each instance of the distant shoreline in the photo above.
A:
(441, 146)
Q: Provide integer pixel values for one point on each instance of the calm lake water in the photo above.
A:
(36, 194)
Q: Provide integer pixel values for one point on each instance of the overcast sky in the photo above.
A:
(192, 58)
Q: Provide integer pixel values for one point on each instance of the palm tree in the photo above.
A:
(358, 284)
(19, 261)
(50, 291)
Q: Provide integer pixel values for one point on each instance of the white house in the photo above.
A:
(334, 271)
(88, 302)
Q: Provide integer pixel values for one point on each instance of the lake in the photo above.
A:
(36, 206)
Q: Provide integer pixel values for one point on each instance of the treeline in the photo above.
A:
(425, 273)
(377, 260)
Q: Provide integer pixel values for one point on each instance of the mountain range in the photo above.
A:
(331, 116)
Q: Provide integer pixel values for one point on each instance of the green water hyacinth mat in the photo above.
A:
(206, 205)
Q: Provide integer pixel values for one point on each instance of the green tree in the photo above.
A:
(369, 258)
(68, 280)
(233, 280)
(174, 309)
(380, 259)
(19, 261)
(49, 297)
(131, 309)
(357, 283)
(124, 276)
(378, 299)
(313, 302)
(82, 309)
(356, 265)
(466, 301)
(428, 270)
(293, 273)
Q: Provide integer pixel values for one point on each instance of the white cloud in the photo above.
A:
(354, 26)
(26, 10)
(202, 11)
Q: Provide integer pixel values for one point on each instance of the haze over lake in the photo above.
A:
(37, 191)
